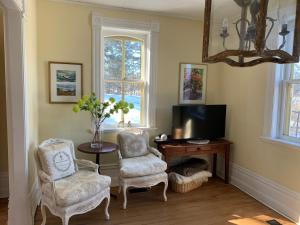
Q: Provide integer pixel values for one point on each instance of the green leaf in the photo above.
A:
(131, 106)
(85, 98)
(112, 100)
(125, 110)
(76, 108)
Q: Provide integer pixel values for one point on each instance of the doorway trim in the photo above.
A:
(19, 205)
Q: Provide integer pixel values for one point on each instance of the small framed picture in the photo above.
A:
(192, 83)
(65, 82)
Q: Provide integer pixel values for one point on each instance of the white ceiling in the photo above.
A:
(192, 9)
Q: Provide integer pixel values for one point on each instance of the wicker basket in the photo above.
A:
(184, 184)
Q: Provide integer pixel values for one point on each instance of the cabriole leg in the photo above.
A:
(165, 190)
(106, 207)
(43, 209)
(125, 196)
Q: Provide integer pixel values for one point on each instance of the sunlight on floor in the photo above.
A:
(257, 220)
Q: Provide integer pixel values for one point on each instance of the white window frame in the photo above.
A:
(275, 106)
(101, 27)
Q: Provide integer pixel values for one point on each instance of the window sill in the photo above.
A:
(119, 129)
(282, 142)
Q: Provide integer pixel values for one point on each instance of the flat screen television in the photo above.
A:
(199, 121)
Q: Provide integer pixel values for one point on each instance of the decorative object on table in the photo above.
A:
(248, 32)
(141, 165)
(65, 82)
(184, 184)
(161, 137)
(73, 186)
(100, 111)
(192, 83)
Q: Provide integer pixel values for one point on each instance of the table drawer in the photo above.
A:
(198, 148)
(174, 149)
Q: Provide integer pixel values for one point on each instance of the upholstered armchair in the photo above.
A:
(140, 165)
(69, 186)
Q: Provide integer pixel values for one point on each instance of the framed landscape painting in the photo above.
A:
(192, 83)
(65, 82)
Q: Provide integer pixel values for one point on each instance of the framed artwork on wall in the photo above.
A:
(65, 82)
(192, 83)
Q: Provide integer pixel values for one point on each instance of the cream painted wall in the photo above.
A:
(3, 121)
(30, 37)
(65, 34)
(244, 90)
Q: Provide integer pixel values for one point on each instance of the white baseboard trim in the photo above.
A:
(277, 197)
(112, 170)
(35, 196)
(4, 185)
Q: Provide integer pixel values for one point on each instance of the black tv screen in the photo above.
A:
(199, 121)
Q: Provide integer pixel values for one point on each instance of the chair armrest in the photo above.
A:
(155, 152)
(119, 155)
(45, 178)
(86, 164)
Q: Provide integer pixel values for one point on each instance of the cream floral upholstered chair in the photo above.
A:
(69, 186)
(140, 165)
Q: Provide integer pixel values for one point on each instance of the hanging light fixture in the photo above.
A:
(249, 32)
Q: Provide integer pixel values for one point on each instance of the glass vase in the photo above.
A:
(97, 139)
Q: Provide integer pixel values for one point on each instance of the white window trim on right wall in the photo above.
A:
(99, 23)
(274, 108)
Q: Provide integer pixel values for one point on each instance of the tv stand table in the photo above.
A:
(174, 148)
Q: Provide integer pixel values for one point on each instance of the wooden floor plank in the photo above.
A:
(215, 203)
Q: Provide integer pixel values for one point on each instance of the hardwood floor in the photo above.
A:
(3, 211)
(213, 204)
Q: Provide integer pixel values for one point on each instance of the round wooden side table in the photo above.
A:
(107, 147)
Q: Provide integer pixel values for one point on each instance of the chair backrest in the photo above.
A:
(56, 158)
(133, 143)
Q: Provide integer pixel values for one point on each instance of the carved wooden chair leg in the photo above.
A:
(165, 191)
(106, 208)
(125, 196)
(44, 215)
(65, 220)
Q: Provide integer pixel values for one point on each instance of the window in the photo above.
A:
(124, 67)
(290, 115)
(124, 76)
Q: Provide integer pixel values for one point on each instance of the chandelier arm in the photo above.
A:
(270, 30)
(283, 43)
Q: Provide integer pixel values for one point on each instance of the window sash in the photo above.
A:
(123, 81)
(285, 105)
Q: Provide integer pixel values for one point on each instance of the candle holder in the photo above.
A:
(284, 32)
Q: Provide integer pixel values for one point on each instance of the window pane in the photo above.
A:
(296, 71)
(292, 126)
(112, 59)
(133, 94)
(113, 89)
(133, 60)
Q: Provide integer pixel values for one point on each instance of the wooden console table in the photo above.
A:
(173, 148)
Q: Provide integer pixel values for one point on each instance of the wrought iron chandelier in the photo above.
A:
(249, 32)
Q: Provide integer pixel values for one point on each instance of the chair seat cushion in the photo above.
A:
(142, 166)
(77, 188)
